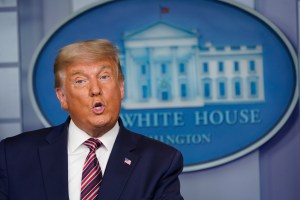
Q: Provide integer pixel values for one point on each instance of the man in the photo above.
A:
(91, 155)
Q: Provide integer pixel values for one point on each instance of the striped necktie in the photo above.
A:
(91, 174)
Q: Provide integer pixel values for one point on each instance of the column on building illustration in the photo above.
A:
(152, 72)
(193, 75)
(175, 75)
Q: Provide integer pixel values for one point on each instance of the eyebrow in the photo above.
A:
(77, 72)
(102, 67)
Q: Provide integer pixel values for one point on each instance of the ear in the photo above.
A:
(121, 85)
(61, 95)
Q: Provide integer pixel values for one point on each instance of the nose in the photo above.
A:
(95, 88)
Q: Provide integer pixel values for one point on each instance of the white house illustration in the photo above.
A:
(165, 67)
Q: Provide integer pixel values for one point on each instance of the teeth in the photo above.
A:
(98, 105)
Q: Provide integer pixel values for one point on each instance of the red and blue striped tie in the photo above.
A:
(91, 175)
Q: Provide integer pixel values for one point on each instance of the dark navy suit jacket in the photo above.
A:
(34, 166)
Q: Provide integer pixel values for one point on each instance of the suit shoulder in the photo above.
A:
(28, 137)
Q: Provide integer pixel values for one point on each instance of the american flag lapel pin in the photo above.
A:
(127, 161)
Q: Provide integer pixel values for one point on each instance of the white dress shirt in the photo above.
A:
(77, 153)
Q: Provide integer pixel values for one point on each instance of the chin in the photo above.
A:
(100, 122)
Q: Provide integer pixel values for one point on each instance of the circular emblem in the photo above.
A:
(213, 79)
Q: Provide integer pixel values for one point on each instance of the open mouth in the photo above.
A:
(97, 105)
(98, 108)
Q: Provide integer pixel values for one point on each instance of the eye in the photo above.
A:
(79, 82)
(104, 77)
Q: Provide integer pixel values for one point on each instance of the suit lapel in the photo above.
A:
(54, 163)
(119, 167)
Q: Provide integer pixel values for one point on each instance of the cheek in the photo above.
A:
(77, 93)
(71, 98)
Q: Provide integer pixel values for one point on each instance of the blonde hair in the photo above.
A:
(88, 51)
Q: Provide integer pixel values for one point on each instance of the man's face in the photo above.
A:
(92, 94)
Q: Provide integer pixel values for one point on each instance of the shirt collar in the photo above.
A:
(76, 137)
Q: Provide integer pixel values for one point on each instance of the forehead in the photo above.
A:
(91, 67)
